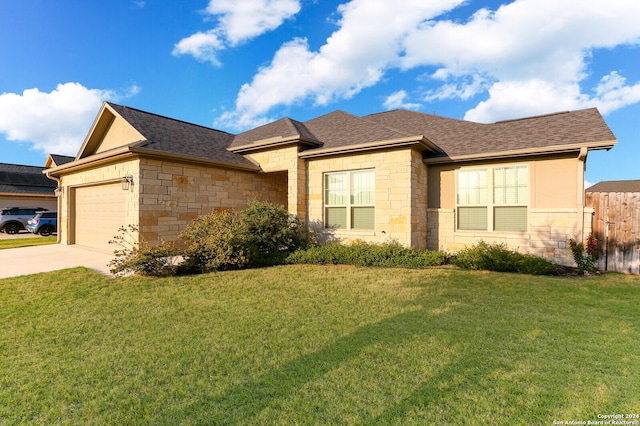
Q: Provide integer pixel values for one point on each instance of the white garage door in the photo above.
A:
(100, 211)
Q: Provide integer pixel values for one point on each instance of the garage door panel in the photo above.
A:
(99, 213)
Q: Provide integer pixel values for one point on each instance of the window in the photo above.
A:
(472, 199)
(349, 199)
(510, 198)
(503, 208)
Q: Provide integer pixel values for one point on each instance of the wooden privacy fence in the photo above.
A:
(616, 224)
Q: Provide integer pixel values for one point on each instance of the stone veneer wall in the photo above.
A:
(548, 236)
(174, 194)
(286, 159)
(400, 204)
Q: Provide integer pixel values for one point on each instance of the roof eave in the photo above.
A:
(193, 159)
(275, 142)
(419, 141)
(528, 152)
(123, 153)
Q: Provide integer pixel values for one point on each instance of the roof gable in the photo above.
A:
(118, 126)
(284, 130)
(54, 160)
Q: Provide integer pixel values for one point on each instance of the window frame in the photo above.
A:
(347, 196)
(520, 197)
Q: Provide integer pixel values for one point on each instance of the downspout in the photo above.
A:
(582, 164)
(59, 201)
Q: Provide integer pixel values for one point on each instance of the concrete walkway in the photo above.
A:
(52, 257)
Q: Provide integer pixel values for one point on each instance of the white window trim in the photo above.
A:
(348, 206)
(490, 205)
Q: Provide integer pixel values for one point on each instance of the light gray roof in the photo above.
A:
(616, 186)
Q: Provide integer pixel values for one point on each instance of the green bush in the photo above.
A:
(215, 242)
(389, 254)
(498, 258)
(141, 258)
(269, 229)
(262, 234)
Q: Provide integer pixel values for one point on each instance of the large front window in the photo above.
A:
(493, 199)
(349, 199)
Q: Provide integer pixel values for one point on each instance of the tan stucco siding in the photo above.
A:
(553, 183)
(173, 194)
(398, 200)
(554, 216)
(119, 133)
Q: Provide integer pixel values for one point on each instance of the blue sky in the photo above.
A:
(234, 64)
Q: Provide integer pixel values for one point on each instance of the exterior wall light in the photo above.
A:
(126, 182)
(59, 191)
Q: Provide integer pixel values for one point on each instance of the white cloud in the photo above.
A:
(202, 46)
(353, 58)
(533, 52)
(526, 57)
(238, 21)
(397, 100)
(55, 122)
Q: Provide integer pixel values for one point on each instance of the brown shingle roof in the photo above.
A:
(168, 135)
(457, 138)
(616, 186)
(281, 129)
(461, 138)
(341, 129)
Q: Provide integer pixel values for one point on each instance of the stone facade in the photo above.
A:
(548, 236)
(286, 159)
(173, 194)
(400, 195)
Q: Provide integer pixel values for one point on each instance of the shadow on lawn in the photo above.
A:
(242, 403)
(462, 374)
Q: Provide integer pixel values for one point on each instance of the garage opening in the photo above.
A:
(98, 213)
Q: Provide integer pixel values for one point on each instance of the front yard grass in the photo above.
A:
(318, 345)
(27, 242)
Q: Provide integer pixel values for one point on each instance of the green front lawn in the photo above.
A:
(318, 345)
(26, 242)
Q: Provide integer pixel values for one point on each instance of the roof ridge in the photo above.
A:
(552, 114)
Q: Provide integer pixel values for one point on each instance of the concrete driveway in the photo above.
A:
(52, 257)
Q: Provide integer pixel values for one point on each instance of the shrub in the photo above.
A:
(585, 257)
(140, 257)
(215, 242)
(269, 229)
(360, 253)
(498, 258)
(260, 235)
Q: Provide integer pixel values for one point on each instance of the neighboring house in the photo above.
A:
(55, 160)
(25, 186)
(616, 224)
(423, 180)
